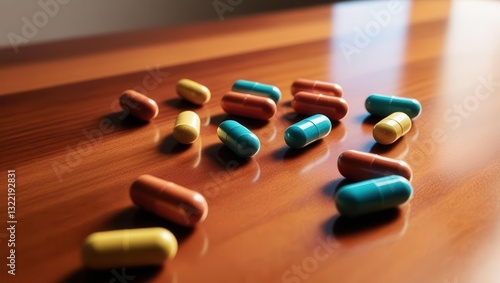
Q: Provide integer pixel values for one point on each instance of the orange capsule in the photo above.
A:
(313, 86)
(248, 105)
(308, 103)
(139, 105)
(168, 200)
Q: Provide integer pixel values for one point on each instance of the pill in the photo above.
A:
(308, 103)
(247, 105)
(325, 88)
(238, 138)
(384, 105)
(391, 128)
(193, 92)
(131, 247)
(187, 127)
(169, 200)
(372, 195)
(269, 91)
(307, 131)
(357, 166)
(139, 105)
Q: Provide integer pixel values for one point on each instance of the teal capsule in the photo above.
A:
(257, 88)
(384, 105)
(238, 138)
(373, 195)
(307, 131)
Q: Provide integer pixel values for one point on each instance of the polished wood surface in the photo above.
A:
(271, 218)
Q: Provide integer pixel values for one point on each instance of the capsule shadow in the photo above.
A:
(343, 227)
(332, 188)
(181, 104)
(123, 120)
(287, 103)
(289, 153)
(368, 119)
(225, 157)
(139, 274)
(170, 145)
(293, 117)
(247, 122)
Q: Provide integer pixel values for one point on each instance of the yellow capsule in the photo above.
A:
(187, 127)
(391, 128)
(193, 91)
(134, 247)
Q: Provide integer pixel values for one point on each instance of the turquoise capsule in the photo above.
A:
(373, 195)
(307, 131)
(238, 138)
(257, 88)
(384, 105)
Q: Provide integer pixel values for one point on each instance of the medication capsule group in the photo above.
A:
(124, 248)
(307, 131)
(269, 91)
(391, 128)
(193, 92)
(168, 200)
(384, 105)
(247, 105)
(372, 195)
(356, 165)
(187, 127)
(139, 105)
(308, 103)
(238, 138)
(313, 86)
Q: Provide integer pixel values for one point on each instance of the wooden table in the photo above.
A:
(271, 218)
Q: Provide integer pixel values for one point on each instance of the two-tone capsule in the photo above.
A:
(307, 103)
(247, 105)
(308, 131)
(384, 105)
(193, 92)
(238, 138)
(139, 105)
(357, 166)
(169, 200)
(187, 127)
(391, 128)
(314, 86)
(124, 248)
(373, 195)
(256, 88)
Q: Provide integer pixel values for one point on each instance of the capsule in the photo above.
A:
(129, 248)
(193, 92)
(269, 91)
(357, 166)
(372, 195)
(238, 138)
(313, 86)
(169, 200)
(384, 105)
(391, 128)
(307, 131)
(139, 105)
(247, 105)
(308, 103)
(187, 127)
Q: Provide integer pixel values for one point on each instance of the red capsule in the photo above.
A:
(248, 105)
(313, 86)
(308, 103)
(139, 105)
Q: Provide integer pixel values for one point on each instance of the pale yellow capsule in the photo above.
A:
(193, 91)
(134, 247)
(391, 128)
(187, 127)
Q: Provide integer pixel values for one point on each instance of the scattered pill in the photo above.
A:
(325, 88)
(247, 105)
(308, 103)
(384, 105)
(193, 92)
(169, 200)
(139, 105)
(124, 248)
(238, 138)
(269, 91)
(187, 127)
(391, 128)
(357, 166)
(307, 131)
(373, 195)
